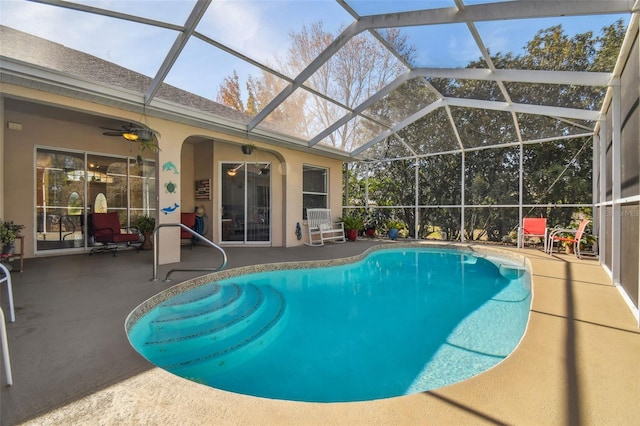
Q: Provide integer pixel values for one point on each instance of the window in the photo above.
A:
(314, 189)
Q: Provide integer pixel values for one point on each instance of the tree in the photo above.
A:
(229, 93)
(557, 172)
(358, 70)
(363, 66)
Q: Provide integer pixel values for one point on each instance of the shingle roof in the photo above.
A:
(47, 54)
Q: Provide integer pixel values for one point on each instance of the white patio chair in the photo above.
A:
(5, 277)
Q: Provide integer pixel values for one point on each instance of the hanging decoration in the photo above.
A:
(170, 167)
(170, 209)
(201, 214)
(170, 187)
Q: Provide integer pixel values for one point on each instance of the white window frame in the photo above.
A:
(324, 194)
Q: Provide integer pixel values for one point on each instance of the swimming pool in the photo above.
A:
(390, 322)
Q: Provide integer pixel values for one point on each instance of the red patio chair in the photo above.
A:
(189, 220)
(106, 229)
(534, 227)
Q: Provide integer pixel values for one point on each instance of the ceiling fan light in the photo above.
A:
(130, 136)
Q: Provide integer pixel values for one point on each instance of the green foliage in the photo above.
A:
(352, 221)
(395, 224)
(9, 231)
(148, 140)
(556, 172)
(145, 223)
(375, 218)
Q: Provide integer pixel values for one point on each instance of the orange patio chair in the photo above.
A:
(555, 235)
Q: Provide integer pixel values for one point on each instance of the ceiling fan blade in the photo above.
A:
(112, 129)
(118, 133)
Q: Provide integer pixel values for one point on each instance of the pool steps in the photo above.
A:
(216, 304)
(203, 293)
(190, 337)
(510, 269)
(193, 327)
(257, 339)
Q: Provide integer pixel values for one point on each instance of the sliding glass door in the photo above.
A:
(245, 200)
(70, 185)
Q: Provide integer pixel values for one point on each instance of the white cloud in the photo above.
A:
(462, 49)
(245, 26)
(137, 47)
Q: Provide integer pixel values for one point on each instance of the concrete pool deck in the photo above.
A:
(578, 363)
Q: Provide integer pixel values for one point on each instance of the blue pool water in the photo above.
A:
(400, 321)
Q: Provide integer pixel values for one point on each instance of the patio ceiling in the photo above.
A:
(173, 48)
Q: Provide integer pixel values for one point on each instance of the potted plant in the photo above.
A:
(587, 241)
(394, 226)
(352, 224)
(375, 219)
(248, 149)
(9, 231)
(146, 225)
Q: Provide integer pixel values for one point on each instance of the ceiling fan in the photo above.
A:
(128, 131)
(143, 135)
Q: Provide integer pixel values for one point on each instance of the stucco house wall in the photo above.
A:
(196, 152)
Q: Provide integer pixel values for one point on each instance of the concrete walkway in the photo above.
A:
(578, 363)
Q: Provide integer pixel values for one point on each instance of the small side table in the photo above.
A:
(16, 255)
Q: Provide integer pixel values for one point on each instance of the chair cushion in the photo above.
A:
(126, 238)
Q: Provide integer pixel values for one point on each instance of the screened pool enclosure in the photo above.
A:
(456, 117)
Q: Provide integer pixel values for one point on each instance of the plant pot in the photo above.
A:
(247, 149)
(352, 234)
(370, 232)
(8, 248)
(147, 244)
(393, 234)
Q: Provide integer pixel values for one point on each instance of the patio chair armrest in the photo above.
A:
(556, 231)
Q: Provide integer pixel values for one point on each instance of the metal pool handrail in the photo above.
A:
(195, 234)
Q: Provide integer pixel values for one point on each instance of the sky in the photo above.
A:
(259, 29)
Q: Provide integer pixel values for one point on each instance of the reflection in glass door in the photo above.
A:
(107, 187)
(142, 188)
(59, 199)
(245, 200)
